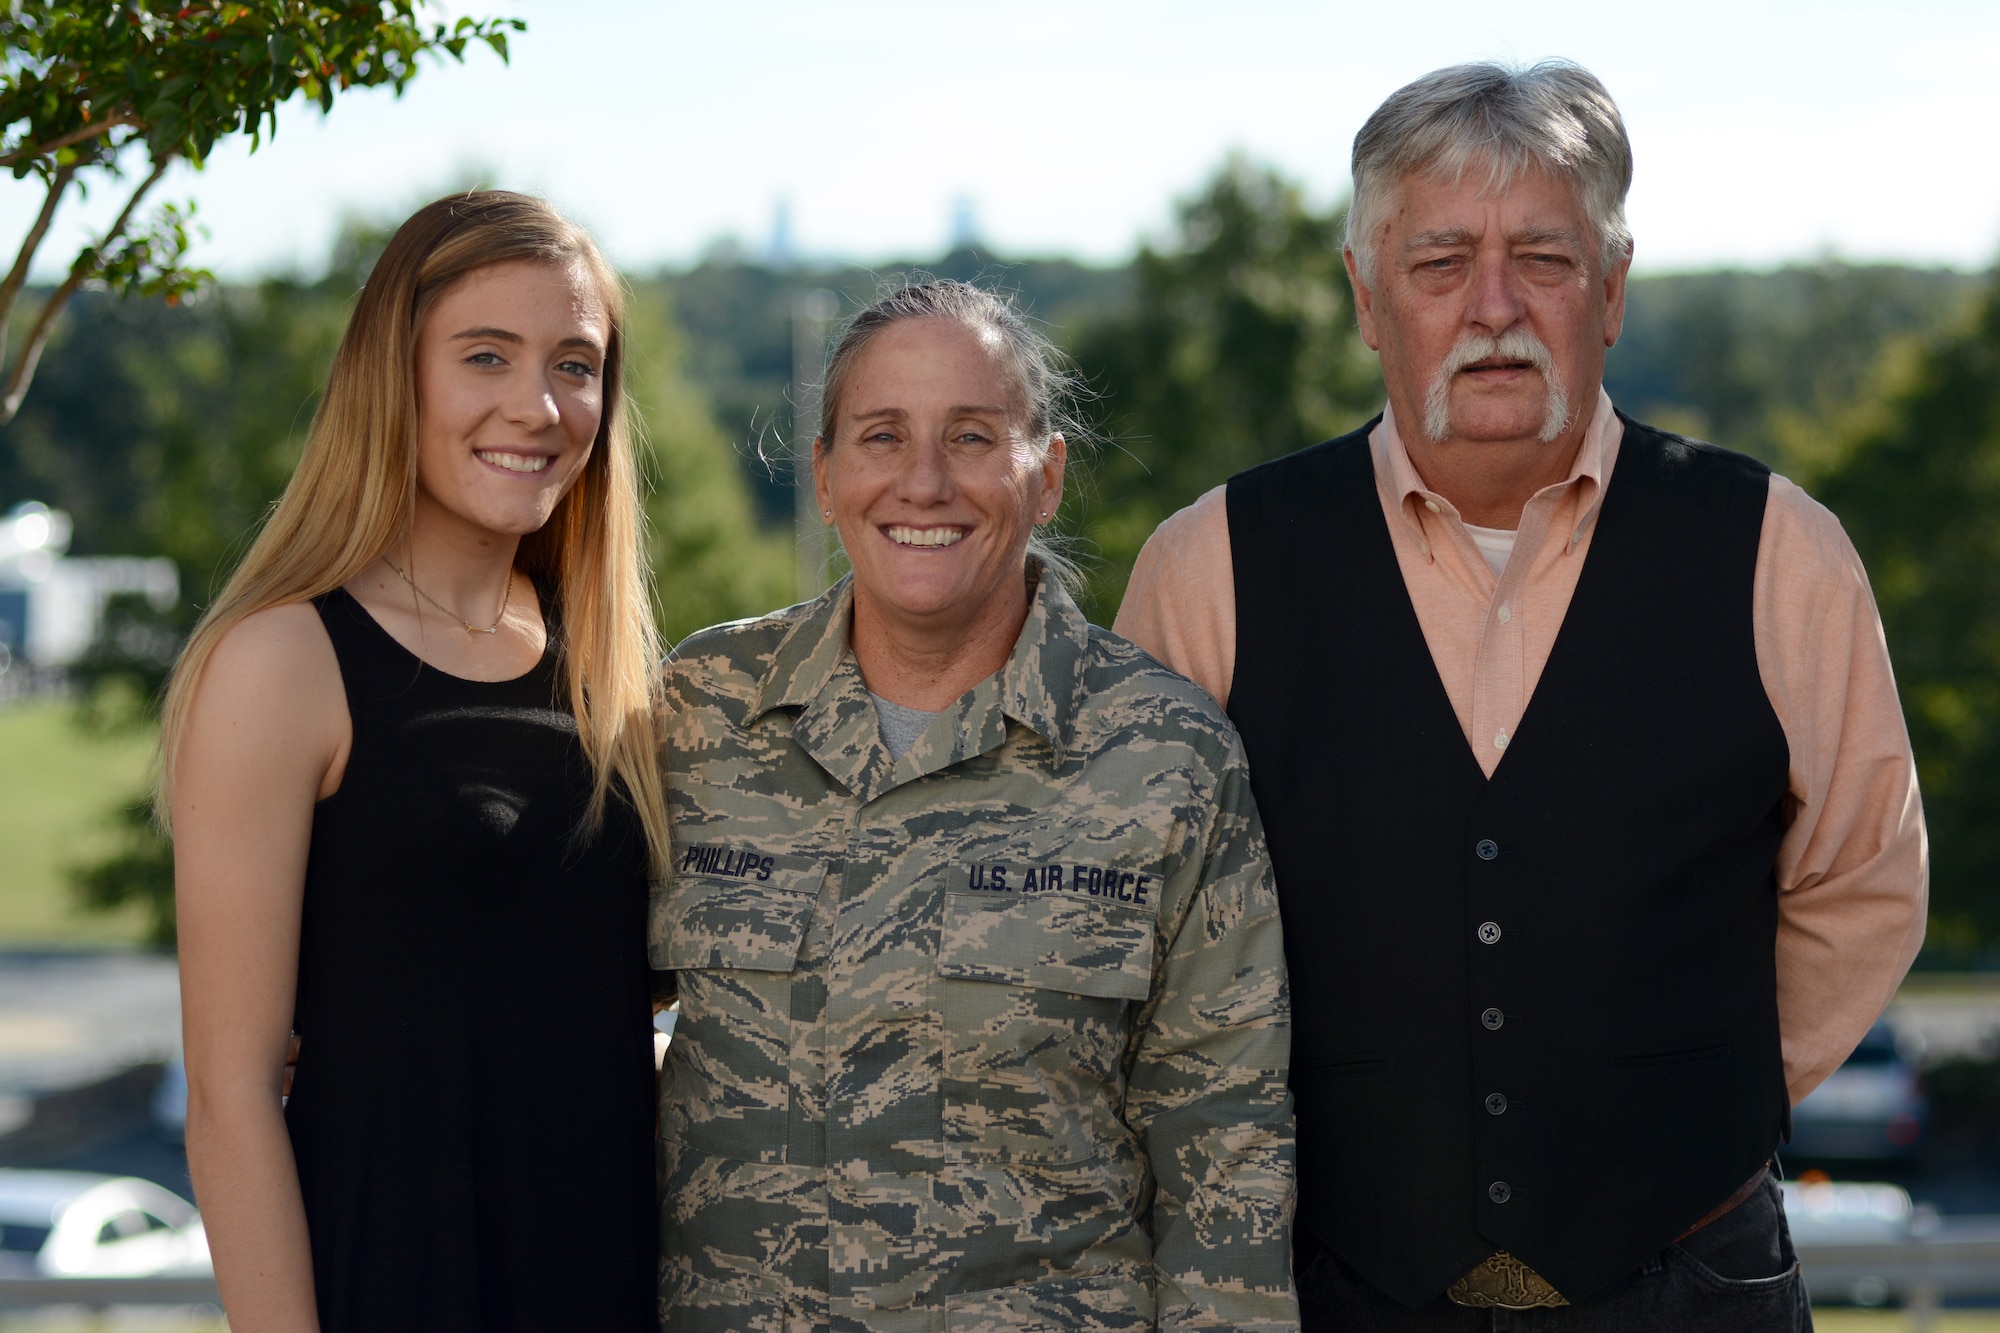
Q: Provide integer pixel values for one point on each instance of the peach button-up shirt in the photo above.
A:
(1852, 868)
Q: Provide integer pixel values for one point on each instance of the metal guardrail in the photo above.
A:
(1957, 1256)
(30, 1293)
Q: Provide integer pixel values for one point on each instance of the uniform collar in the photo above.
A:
(813, 671)
(1406, 494)
(1042, 683)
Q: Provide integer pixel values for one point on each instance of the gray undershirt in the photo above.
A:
(900, 726)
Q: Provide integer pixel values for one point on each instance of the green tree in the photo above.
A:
(711, 559)
(90, 93)
(738, 318)
(215, 403)
(1918, 487)
(1760, 361)
(1239, 346)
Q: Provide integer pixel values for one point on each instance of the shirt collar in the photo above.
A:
(811, 654)
(1038, 688)
(1041, 686)
(1404, 491)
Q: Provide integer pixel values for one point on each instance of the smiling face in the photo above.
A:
(510, 363)
(933, 483)
(1491, 311)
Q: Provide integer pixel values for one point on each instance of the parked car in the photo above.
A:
(1840, 1228)
(1871, 1107)
(81, 1224)
(1839, 1212)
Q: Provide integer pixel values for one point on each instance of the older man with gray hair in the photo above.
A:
(1594, 817)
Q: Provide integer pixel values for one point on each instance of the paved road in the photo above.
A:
(68, 1018)
(83, 1037)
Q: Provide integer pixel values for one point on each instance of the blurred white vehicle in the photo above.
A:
(80, 1224)
(1840, 1212)
(1841, 1228)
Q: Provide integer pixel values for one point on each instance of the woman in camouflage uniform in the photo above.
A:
(984, 1022)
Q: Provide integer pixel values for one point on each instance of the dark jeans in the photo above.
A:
(1738, 1274)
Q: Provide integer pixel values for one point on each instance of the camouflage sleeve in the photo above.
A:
(1208, 1092)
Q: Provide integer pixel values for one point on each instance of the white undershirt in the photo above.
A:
(1496, 544)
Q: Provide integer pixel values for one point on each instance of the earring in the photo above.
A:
(826, 513)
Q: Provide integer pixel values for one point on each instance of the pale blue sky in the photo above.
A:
(1763, 132)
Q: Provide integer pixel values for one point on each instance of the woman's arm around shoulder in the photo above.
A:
(266, 738)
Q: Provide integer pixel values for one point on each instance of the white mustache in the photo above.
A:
(1513, 345)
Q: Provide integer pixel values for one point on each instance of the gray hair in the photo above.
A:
(1042, 374)
(1554, 117)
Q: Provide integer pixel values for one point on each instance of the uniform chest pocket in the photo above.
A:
(1037, 995)
(730, 921)
(723, 906)
(1086, 946)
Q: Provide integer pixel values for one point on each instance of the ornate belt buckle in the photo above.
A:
(1503, 1282)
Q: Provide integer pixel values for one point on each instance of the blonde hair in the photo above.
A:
(354, 492)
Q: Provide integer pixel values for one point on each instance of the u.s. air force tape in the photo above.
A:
(1126, 886)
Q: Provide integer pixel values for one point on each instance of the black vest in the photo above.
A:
(1536, 1013)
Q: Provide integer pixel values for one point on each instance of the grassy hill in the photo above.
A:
(57, 786)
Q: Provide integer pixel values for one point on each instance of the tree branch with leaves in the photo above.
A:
(112, 92)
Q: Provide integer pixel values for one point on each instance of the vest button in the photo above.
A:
(1489, 932)
(1487, 849)
(1496, 1103)
(1492, 1018)
(1499, 1191)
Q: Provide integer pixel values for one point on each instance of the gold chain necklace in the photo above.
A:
(470, 628)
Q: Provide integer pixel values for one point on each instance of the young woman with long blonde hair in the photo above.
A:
(409, 764)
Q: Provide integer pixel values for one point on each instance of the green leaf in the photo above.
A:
(194, 74)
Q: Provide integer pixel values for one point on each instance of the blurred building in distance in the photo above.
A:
(51, 604)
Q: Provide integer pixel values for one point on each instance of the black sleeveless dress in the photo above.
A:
(472, 1114)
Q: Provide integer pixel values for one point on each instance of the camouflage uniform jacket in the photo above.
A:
(993, 1036)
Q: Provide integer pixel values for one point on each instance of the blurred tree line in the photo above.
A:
(738, 317)
(1226, 342)
(170, 430)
